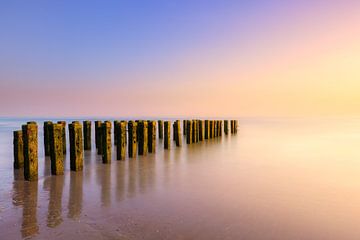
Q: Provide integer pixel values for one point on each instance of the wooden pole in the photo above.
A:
(177, 130)
(120, 142)
(116, 129)
(161, 129)
(167, 134)
(142, 137)
(132, 142)
(63, 135)
(56, 149)
(46, 128)
(106, 142)
(152, 136)
(226, 127)
(76, 146)
(184, 127)
(18, 149)
(87, 135)
(30, 139)
(207, 128)
(189, 131)
(98, 134)
(201, 130)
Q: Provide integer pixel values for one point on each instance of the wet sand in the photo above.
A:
(276, 179)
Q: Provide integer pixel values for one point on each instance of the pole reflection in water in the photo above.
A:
(75, 195)
(29, 225)
(120, 181)
(132, 178)
(104, 178)
(54, 217)
(18, 188)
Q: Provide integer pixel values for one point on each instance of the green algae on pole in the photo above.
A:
(87, 135)
(56, 149)
(166, 134)
(132, 142)
(193, 135)
(30, 140)
(142, 137)
(18, 149)
(63, 134)
(177, 130)
(46, 128)
(120, 140)
(152, 136)
(161, 128)
(106, 142)
(188, 131)
(76, 146)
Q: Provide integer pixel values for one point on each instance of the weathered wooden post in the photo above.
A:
(120, 142)
(142, 137)
(177, 130)
(220, 127)
(46, 128)
(126, 123)
(184, 127)
(56, 149)
(193, 126)
(63, 134)
(87, 135)
(106, 142)
(189, 131)
(98, 134)
(76, 146)
(116, 129)
(207, 127)
(132, 142)
(152, 136)
(167, 134)
(226, 127)
(18, 149)
(211, 129)
(161, 128)
(174, 131)
(201, 130)
(235, 126)
(30, 140)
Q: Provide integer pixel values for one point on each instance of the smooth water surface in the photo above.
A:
(275, 179)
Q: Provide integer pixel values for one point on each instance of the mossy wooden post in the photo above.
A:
(132, 142)
(142, 137)
(106, 142)
(76, 146)
(30, 140)
(178, 133)
(63, 134)
(220, 128)
(152, 136)
(184, 127)
(87, 135)
(216, 128)
(232, 126)
(174, 132)
(18, 149)
(211, 129)
(120, 141)
(97, 133)
(226, 127)
(161, 129)
(188, 131)
(56, 149)
(167, 134)
(46, 129)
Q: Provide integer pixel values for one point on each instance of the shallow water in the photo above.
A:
(276, 179)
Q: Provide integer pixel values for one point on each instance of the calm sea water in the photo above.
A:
(276, 179)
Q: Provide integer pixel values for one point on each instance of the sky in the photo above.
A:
(213, 58)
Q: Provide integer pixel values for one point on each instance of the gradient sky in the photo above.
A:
(180, 58)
